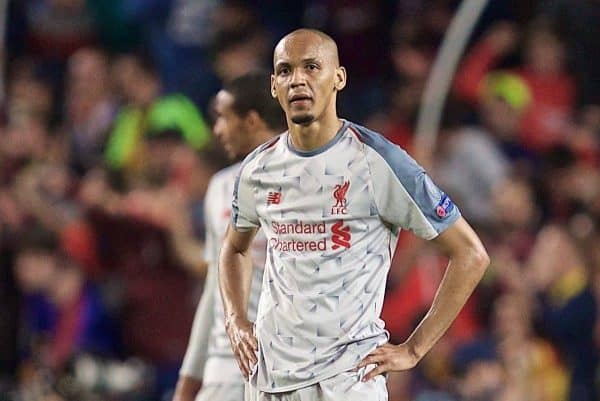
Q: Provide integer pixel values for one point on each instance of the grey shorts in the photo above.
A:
(221, 392)
(346, 386)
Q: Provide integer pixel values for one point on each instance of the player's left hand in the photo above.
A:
(389, 358)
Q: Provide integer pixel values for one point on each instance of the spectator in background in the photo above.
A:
(415, 36)
(178, 34)
(170, 193)
(544, 72)
(567, 184)
(517, 217)
(25, 141)
(239, 51)
(479, 372)
(434, 380)
(132, 248)
(21, 144)
(531, 364)
(90, 107)
(567, 309)
(474, 162)
(33, 269)
(44, 189)
(50, 31)
(584, 139)
(149, 112)
(57, 28)
(578, 22)
(29, 97)
(411, 58)
(64, 312)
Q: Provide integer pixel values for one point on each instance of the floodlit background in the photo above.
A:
(106, 150)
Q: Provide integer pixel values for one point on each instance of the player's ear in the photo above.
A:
(340, 78)
(273, 91)
(253, 120)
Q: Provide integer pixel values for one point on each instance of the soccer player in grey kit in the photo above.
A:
(331, 197)
(246, 116)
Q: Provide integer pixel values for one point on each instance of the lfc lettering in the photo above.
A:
(338, 210)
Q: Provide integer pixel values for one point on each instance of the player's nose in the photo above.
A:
(218, 132)
(298, 77)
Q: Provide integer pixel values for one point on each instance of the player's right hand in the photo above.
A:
(243, 343)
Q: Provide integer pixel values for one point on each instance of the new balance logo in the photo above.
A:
(340, 198)
(341, 235)
(273, 198)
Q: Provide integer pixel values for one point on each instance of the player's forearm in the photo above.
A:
(464, 271)
(235, 279)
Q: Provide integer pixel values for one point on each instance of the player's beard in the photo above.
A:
(304, 119)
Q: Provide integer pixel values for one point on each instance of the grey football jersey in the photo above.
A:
(331, 218)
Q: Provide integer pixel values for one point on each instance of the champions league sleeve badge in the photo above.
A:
(444, 207)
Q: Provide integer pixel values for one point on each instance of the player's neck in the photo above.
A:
(315, 135)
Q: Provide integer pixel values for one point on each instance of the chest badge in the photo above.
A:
(339, 194)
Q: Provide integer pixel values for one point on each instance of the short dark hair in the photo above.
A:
(252, 92)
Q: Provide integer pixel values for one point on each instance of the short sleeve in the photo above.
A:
(405, 196)
(243, 207)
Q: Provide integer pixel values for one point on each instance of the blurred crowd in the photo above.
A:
(106, 151)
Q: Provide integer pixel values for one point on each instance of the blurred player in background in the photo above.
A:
(331, 197)
(246, 116)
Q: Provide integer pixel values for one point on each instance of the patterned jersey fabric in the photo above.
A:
(331, 218)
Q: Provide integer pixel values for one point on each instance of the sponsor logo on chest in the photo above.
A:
(301, 236)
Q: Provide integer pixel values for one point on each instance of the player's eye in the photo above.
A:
(283, 71)
(312, 67)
